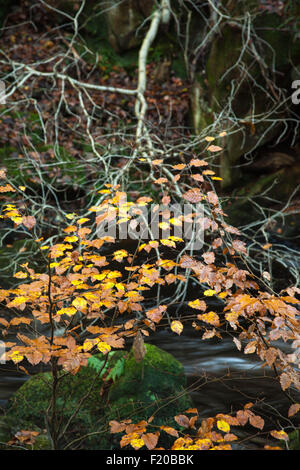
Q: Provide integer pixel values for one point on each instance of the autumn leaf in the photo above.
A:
(119, 255)
(193, 195)
(16, 357)
(294, 409)
(197, 304)
(256, 421)
(285, 381)
(103, 347)
(223, 425)
(214, 148)
(79, 303)
(71, 239)
(138, 347)
(209, 292)
(209, 257)
(29, 221)
(137, 443)
(196, 162)
(182, 420)
(250, 347)
(170, 430)
(156, 314)
(280, 435)
(150, 440)
(20, 275)
(116, 427)
(211, 317)
(177, 327)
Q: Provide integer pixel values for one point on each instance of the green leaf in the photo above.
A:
(117, 370)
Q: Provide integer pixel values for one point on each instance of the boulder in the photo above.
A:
(125, 389)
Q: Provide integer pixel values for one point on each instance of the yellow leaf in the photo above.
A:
(198, 304)
(79, 303)
(137, 443)
(175, 221)
(103, 347)
(164, 225)
(71, 239)
(280, 435)
(54, 265)
(223, 425)
(16, 357)
(20, 275)
(71, 216)
(209, 292)
(120, 254)
(83, 220)
(167, 242)
(18, 301)
(222, 295)
(67, 311)
(177, 327)
(211, 317)
(175, 239)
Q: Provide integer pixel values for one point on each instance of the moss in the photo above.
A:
(294, 440)
(155, 385)
(27, 407)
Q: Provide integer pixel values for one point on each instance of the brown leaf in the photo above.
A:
(138, 347)
(170, 430)
(209, 257)
(197, 162)
(214, 148)
(150, 440)
(182, 420)
(285, 381)
(239, 246)
(212, 198)
(115, 426)
(155, 314)
(193, 195)
(294, 409)
(242, 417)
(256, 421)
(29, 221)
(250, 348)
(270, 356)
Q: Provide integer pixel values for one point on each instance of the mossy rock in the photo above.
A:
(155, 387)
(27, 407)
